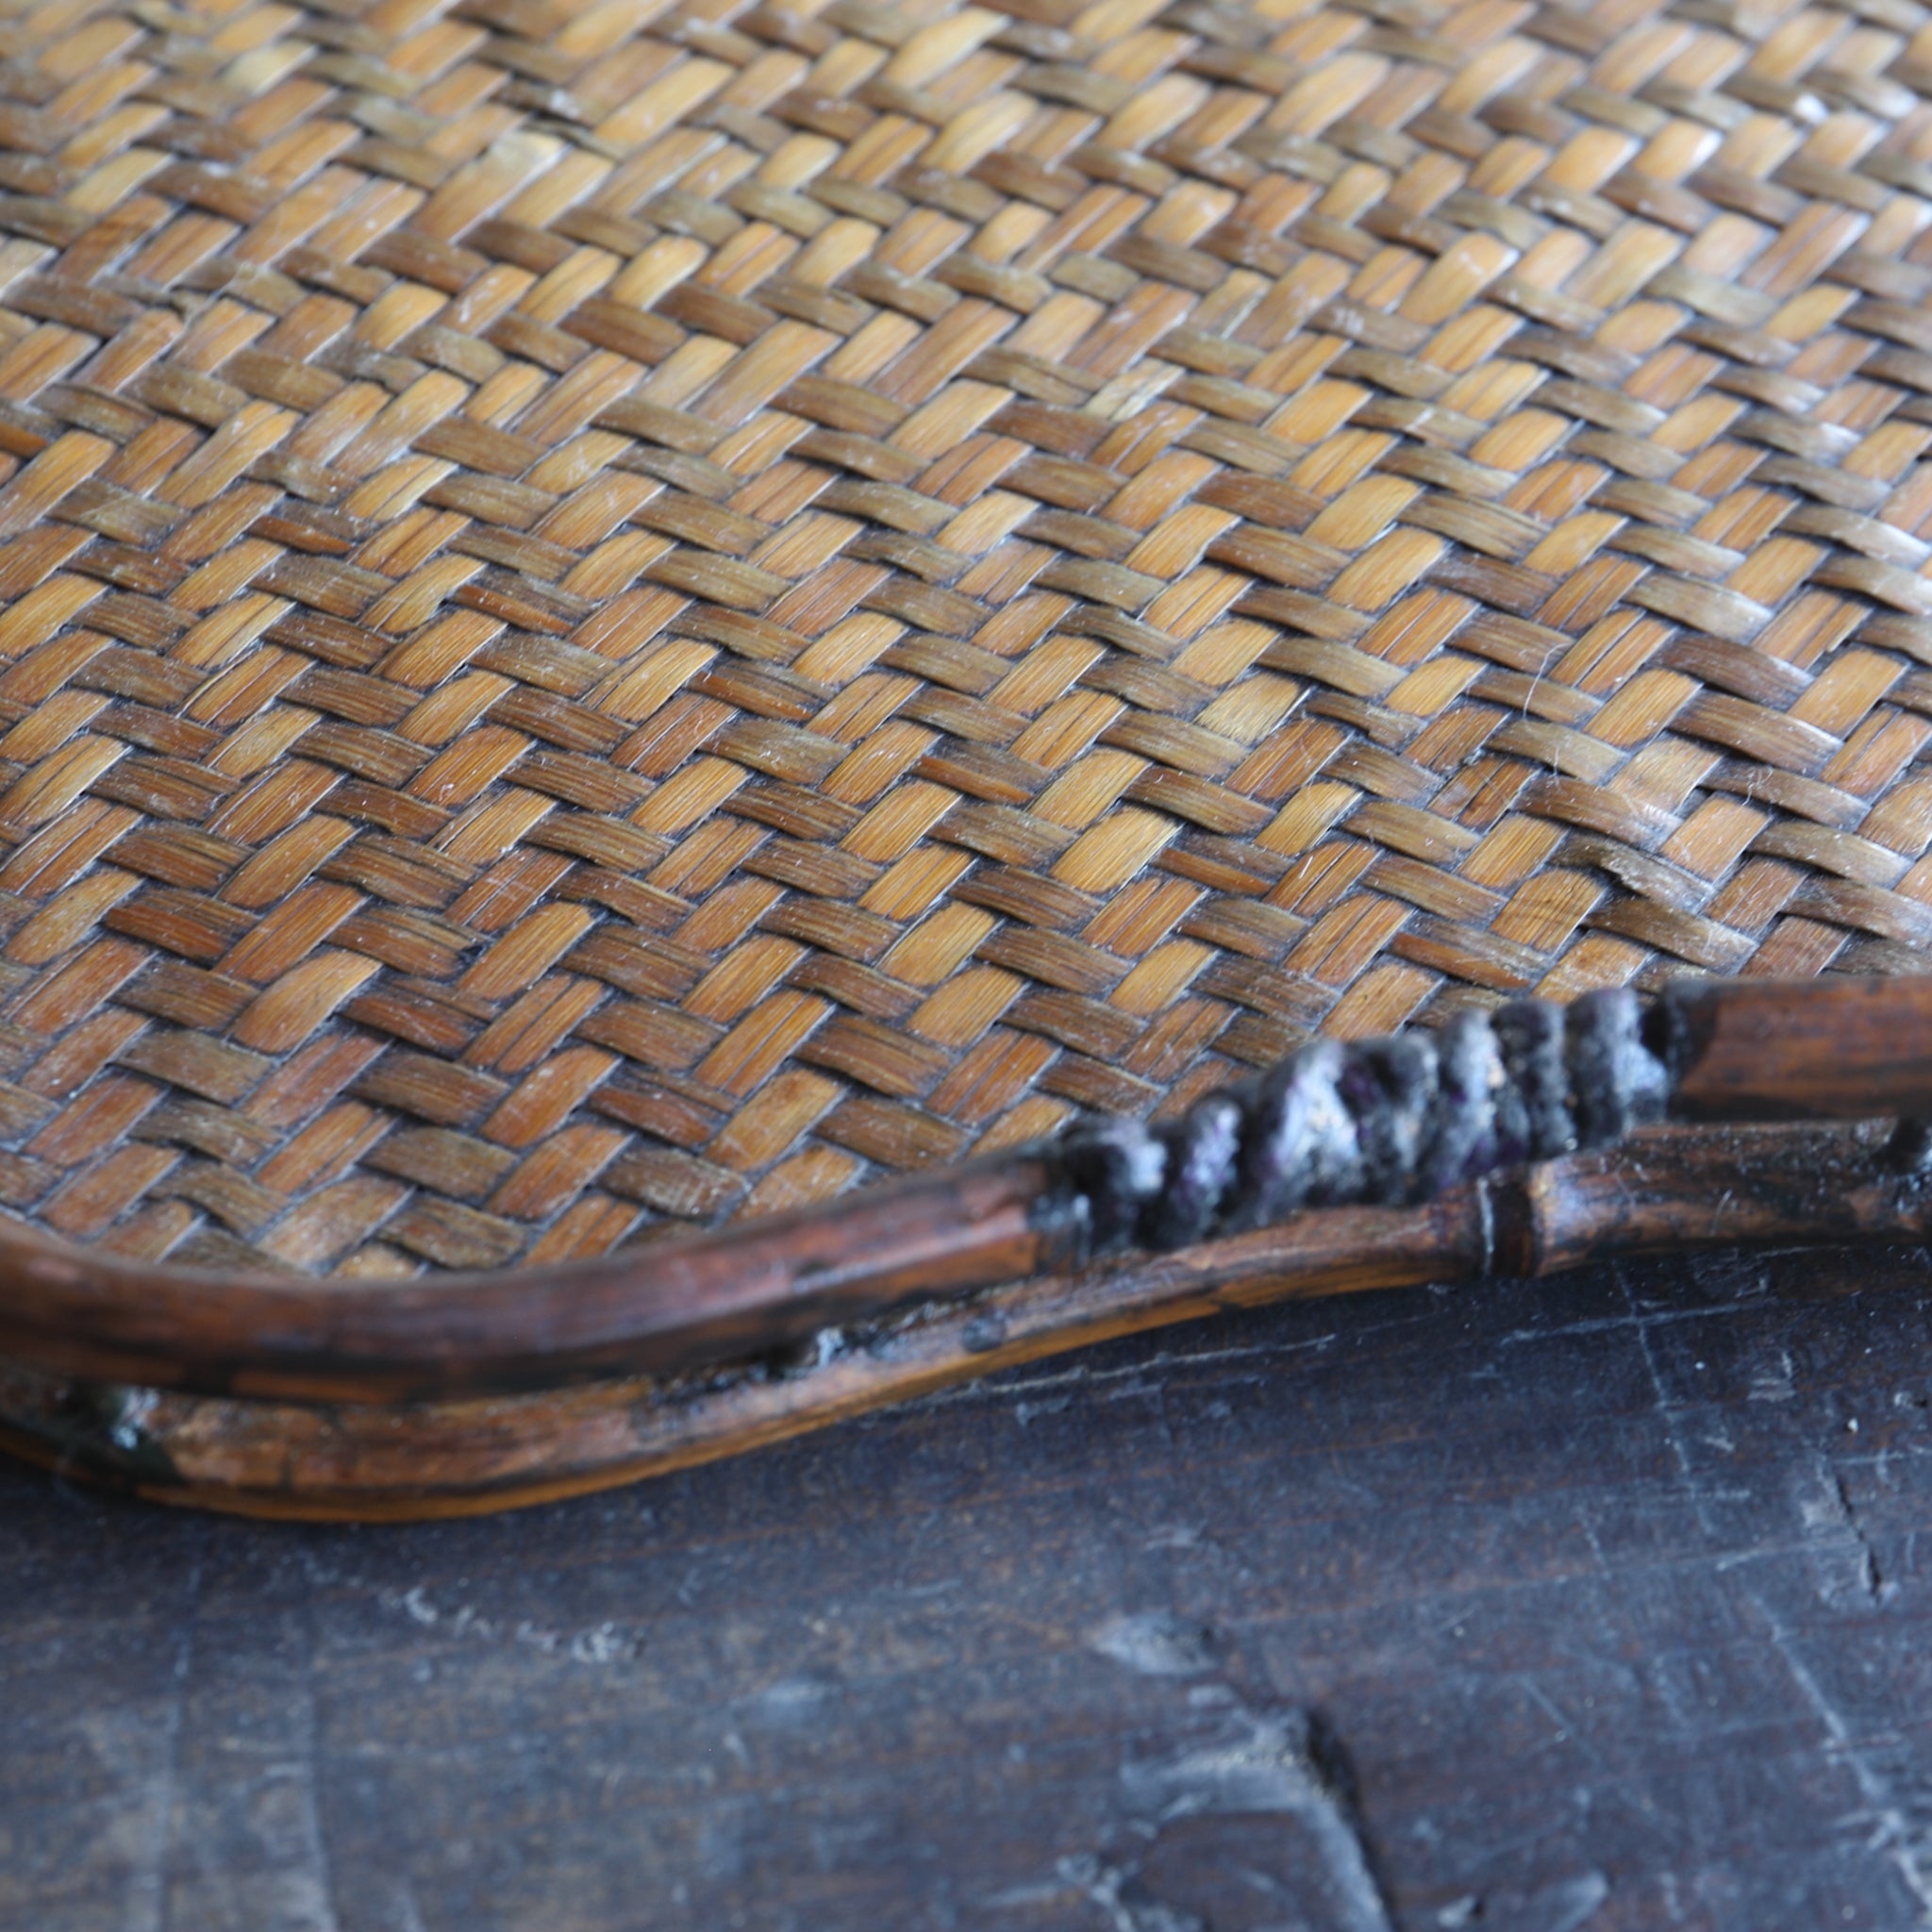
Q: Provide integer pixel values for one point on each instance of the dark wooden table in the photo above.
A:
(1591, 1604)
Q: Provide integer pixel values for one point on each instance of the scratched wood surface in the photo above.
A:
(1605, 1592)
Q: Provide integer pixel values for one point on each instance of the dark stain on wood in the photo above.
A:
(1609, 1590)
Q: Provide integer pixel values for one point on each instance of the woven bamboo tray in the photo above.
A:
(621, 615)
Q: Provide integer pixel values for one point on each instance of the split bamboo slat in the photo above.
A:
(623, 615)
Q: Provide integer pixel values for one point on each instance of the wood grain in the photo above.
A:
(1611, 1612)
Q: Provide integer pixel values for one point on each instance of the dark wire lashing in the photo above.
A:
(1379, 1122)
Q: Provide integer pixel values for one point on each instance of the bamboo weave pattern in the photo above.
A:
(617, 613)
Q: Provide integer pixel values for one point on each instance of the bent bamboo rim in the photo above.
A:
(1671, 1189)
(1845, 1048)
